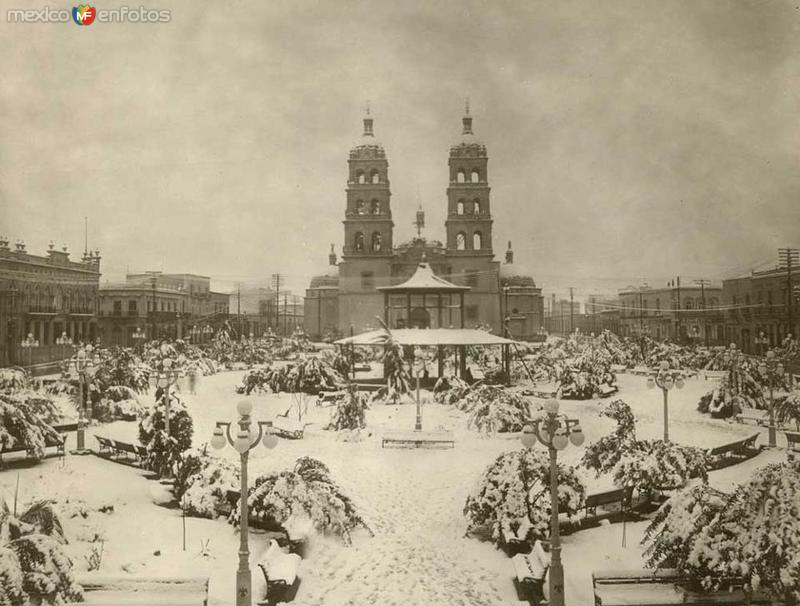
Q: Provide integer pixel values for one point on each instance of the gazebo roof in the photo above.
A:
(428, 336)
(424, 280)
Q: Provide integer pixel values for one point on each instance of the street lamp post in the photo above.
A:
(207, 331)
(761, 342)
(732, 358)
(246, 439)
(29, 343)
(63, 341)
(555, 433)
(139, 337)
(666, 380)
(166, 379)
(772, 368)
(83, 367)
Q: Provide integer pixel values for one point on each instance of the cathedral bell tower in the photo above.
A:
(469, 218)
(368, 217)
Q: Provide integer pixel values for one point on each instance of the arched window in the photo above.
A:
(476, 207)
(687, 303)
(460, 207)
(699, 303)
(461, 241)
(375, 176)
(476, 176)
(361, 177)
(477, 240)
(376, 242)
(375, 207)
(359, 242)
(461, 176)
(360, 208)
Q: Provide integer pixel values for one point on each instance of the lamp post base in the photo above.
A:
(772, 432)
(243, 588)
(80, 451)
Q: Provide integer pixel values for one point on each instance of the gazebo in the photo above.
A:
(428, 311)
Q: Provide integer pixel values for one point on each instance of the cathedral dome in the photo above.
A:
(512, 274)
(328, 276)
(468, 144)
(367, 145)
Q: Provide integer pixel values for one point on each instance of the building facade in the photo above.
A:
(344, 297)
(159, 306)
(45, 297)
(682, 314)
(763, 302)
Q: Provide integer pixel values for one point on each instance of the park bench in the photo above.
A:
(529, 573)
(418, 439)
(607, 390)
(747, 413)
(58, 442)
(280, 573)
(112, 448)
(329, 398)
(733, 452)
(792, 444)
(287, 428)
(663, 588)
(714, 374)
(623, 496)
(133, 590)
(362, 368)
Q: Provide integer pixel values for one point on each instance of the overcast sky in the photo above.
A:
(628, 141)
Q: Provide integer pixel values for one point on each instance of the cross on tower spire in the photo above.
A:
(467, 119)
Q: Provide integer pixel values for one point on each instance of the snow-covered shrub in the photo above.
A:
(307, 488)
(203, 480)
(494, 409)
(512, 495)
(653, 465)
(33, 566)
(22, 426)
(12, 379)
(450, 390)
(312, 375)
(753, 533)
(647, 465)
(164, 452)
(395, 368)
(119, 366)
(605, 453)
(256, 379)
(350, 411)
(788, 410)
(118, 402)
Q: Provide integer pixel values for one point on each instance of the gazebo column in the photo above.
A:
(440, 358)
(462, 360)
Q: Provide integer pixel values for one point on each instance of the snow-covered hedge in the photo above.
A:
(164, 452)
(450, 390)
(203, 480)
(23, 424)
(33, 566)
(752, 533)
(12, 379)
(307, 488)
(512, 495)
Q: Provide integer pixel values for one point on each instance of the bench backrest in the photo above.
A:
(793, 439)
(733, 446)
(608, 496)
(91, 582)
(634, 576)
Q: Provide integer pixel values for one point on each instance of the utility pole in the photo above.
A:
(703, 284)
(153, 281)
(276, 284)
(571, 311)
(789, 257)
(678, 313)
(285, 314)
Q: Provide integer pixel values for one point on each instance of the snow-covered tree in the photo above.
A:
(22, 424)
(788, 410)
(494, 409)
(33, 566)
(350, 411)
(164, 452)
(307, 488)
(512, 495)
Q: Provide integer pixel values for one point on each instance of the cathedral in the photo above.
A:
(344, 299)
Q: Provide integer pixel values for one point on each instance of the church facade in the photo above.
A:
(343, 299)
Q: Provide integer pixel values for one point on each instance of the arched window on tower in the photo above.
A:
(360, 208)
(475, 176)
(375, 176)
(460, 207)
(358, 243)
(476, 207)
(477, 240)
(361, 177)
(461, 176)
(375, 207)
(461, 241)
(377, 242)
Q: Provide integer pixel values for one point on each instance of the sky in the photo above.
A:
(628, 141)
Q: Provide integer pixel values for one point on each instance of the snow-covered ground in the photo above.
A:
(412, 500)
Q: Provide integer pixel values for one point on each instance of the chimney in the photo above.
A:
(20, 247)
(3, 243)
(332, 256)
(509, 253)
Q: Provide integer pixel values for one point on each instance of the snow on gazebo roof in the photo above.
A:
(424, 280)
(427, 336)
